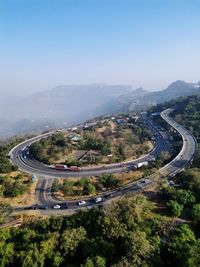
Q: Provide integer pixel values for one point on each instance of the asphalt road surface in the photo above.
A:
(21, 157)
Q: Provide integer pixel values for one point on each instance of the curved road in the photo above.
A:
(20, 156)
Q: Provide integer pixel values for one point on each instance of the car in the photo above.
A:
(171, 183)
(109, 195)
(64, 206)
(56, 207)
(81, 203)
(36, 206)
(144, 181)
(98, 199)
(28, 208)
(43, 207)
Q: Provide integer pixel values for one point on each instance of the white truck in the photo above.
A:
(141, 164)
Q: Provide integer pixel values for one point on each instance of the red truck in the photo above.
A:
(61, 167)
(74, 168)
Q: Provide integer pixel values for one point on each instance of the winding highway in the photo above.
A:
(21, 157)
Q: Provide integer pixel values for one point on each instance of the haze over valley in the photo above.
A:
(66, 105)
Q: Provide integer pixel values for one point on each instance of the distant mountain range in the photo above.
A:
(66, 105)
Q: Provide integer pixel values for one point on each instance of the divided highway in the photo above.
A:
(188, 150)
(21, 157)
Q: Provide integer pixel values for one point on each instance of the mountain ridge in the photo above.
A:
(66, 105)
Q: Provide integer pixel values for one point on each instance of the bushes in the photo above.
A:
(6, 166)
(89, 189)
(109, 181)
(56, 186)
(85, 185)
(13, 187)
(96, 144)
(37, 151)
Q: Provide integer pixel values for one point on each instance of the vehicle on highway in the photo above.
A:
(132, 167)
(98, 199)
(171, 183)
(56, 207)
(44, 207)
(60, 167)
(144, 181)
(36, 206)
(141, 164)
(64, 206)
(74, 168)
(81, 203)
(28, 208)
(108, 195)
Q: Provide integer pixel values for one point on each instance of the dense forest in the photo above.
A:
(130, 232)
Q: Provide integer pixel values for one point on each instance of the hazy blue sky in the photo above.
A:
(44, 43)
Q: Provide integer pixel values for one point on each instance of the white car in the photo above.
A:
(81, 203)
(98, 199)
(56, 207)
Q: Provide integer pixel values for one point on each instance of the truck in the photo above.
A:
(74, 168)
(141, 164)
(60, 167)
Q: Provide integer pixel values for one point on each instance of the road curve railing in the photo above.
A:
(189, 147)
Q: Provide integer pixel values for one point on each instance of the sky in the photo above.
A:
(45, 43)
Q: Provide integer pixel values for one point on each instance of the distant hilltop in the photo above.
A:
(65, 105)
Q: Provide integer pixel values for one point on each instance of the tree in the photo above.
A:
(138, 248)
(184, 247)
(6, 249)
(71, 239)
(184, 197)
(121, 151)
(95, 262)
(89, 189)
(67, 187)
(88, 263)
(175, 208)
(108, 180)
(5, 210)
(196, 212)
(55, 186)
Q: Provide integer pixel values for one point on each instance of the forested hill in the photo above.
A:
(189, 115)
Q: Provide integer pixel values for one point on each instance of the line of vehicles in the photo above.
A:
(77, 169)
(66, 168)
(96, 200)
